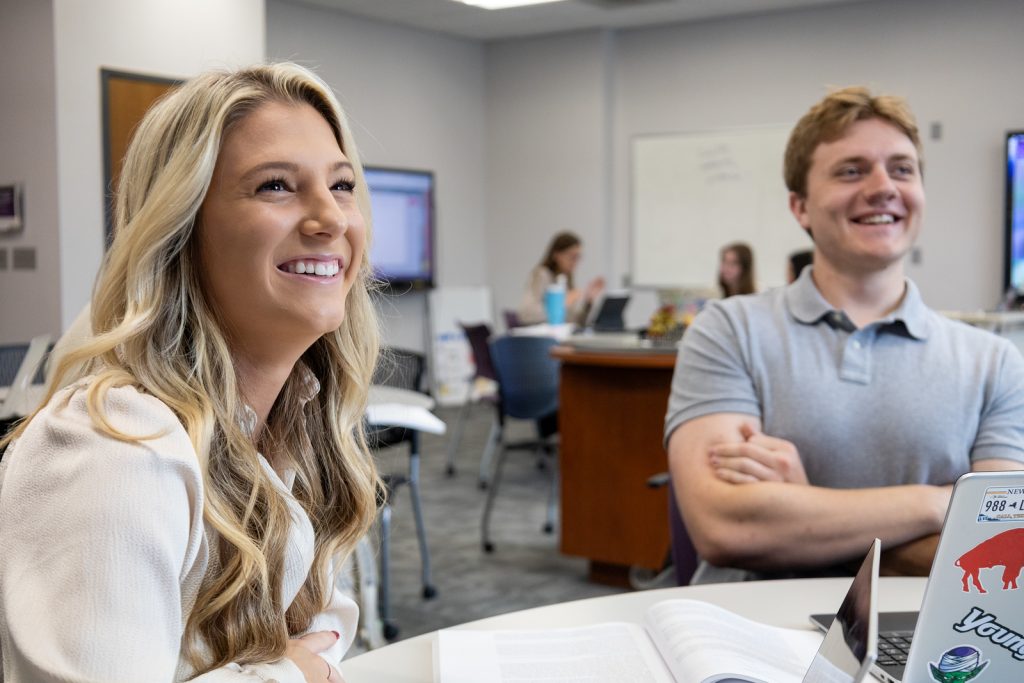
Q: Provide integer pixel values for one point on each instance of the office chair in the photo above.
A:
(20, 366)
(511, 319)
(527, 390)
(403, 369)
(683, 557)
(11, 356)
(479, 337)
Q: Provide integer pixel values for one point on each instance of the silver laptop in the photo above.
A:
(971, 624)
(850, 645)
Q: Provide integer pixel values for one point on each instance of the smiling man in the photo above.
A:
(807, 420)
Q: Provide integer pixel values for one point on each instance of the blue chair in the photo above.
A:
(527, 390)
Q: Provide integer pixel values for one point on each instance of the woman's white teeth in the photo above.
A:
(880, 218)
(321, 268)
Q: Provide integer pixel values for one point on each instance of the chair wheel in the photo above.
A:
(429, 592)
(549, 528)
(488, 547)
(390, 631)
(482, 485)
(450, 470)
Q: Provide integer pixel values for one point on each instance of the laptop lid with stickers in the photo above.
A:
(971, 625)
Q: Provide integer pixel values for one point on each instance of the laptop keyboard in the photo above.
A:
(893, 647)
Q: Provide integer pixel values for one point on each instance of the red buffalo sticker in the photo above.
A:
(1002, 550)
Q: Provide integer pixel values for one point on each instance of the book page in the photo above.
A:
(606, 653)
(703, 643)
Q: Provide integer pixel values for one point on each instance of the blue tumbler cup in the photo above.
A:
(554, 304)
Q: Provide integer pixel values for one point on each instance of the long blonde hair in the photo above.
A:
(154, 329)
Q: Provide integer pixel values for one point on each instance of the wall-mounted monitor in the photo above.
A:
(10, 208)
(402, 201)
(1013, 273)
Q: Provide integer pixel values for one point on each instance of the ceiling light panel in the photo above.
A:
(504, 4)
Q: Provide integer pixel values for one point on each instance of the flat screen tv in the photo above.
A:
(402, 200)
(1014, 271)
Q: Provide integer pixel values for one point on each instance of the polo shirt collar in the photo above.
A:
(807, 305)
(912, 312)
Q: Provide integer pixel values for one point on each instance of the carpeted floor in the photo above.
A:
(525, 570)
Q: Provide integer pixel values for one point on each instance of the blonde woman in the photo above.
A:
(176, 512)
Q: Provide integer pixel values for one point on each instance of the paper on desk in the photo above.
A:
(559, 332)
(604, 653)
(401, 415)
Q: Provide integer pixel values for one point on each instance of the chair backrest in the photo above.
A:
(684, 555)
(17, 399)
(43, 370)
(527, 376)
(478, 337)
(11, 356)
(401, 368)
(511, 319)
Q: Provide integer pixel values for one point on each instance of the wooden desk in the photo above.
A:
(611, 417)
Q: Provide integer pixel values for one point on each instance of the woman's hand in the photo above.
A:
(305, 653)
(594, 289)
(758, 457)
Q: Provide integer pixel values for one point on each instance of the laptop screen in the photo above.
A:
(606, 315)
(850, 645)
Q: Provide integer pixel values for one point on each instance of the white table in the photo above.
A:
(782, 603)
(379, 393)
(395, 407)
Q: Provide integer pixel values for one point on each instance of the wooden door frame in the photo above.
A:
(107, 76)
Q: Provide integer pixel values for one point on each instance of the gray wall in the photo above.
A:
(416, 100)
(555, 121)
(527, 137)
(175, 38)
(30, 299)
(957, 63)
(548, 154)
(531, 136)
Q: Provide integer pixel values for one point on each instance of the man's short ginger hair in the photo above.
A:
(829, 119)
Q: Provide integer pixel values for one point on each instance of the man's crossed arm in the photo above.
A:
(747, 503)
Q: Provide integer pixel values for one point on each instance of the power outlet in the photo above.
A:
(23, 258)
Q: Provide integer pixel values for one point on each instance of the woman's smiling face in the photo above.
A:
(281, 236)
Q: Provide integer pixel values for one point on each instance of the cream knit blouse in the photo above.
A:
(103, 549)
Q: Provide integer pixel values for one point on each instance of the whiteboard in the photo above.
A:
(693, 193)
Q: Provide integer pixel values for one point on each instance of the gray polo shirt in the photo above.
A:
(913, 398)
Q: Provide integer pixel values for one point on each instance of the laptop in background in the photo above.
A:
(606, 314)
(971, 624)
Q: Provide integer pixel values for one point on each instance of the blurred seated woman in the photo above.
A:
(177, 511)
(562, 255)
(736, 270)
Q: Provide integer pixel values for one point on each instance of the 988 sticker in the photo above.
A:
(1002, 504)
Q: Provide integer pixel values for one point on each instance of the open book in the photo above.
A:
(681, 641)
